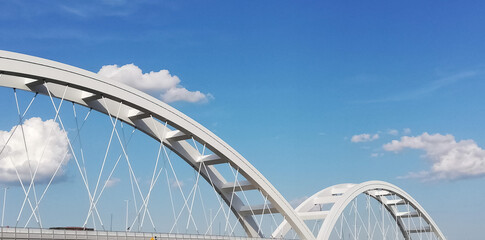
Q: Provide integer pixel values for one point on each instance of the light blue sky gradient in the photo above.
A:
(293, 81)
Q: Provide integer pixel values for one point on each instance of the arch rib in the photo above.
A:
(86, 88)
(341, 195)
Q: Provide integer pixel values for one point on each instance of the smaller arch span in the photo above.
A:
(341, 195)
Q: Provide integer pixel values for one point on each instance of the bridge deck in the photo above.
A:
(51, 234)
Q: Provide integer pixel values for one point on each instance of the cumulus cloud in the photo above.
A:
(365, 137)
(182, 94)
(45, 152)
(161, 83)
(450, 159)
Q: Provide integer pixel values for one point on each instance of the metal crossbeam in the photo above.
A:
(257, 209)
(176, 135)
(407, 214)
(211, 159)
(239, 186)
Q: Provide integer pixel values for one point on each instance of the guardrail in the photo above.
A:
(51, 234)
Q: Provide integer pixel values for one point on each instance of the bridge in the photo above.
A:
(227, 198)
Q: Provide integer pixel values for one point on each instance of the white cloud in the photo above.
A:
(429, 88)
(160, 83)
(364, 138)
(393, 132)
(177, 184)
(48, 153)
(112, 182)
(450, 159)
(182, 94)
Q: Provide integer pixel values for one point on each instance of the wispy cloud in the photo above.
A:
(112, 182)
(393, 132)
(428, 88)
(376, 154)
(365, 137)
(177, 184)
(76, 11)
(82, 9)
(118, 8)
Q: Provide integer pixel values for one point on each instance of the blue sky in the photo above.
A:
(293, 81)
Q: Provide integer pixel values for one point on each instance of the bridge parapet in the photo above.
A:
(50, 234)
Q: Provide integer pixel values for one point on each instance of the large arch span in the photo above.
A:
(88, 89)
(138, 109)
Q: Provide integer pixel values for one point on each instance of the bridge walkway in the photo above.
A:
(51, 234)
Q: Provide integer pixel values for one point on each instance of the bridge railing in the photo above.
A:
(51, 234)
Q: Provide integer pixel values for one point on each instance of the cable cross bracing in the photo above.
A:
(358, 210)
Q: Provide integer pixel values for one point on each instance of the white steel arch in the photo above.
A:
(136, 108)
(88, 89)
(341, 195)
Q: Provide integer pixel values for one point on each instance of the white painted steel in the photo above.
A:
(88, 89)
(340, 196)
(48, 234)
(326, 196)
